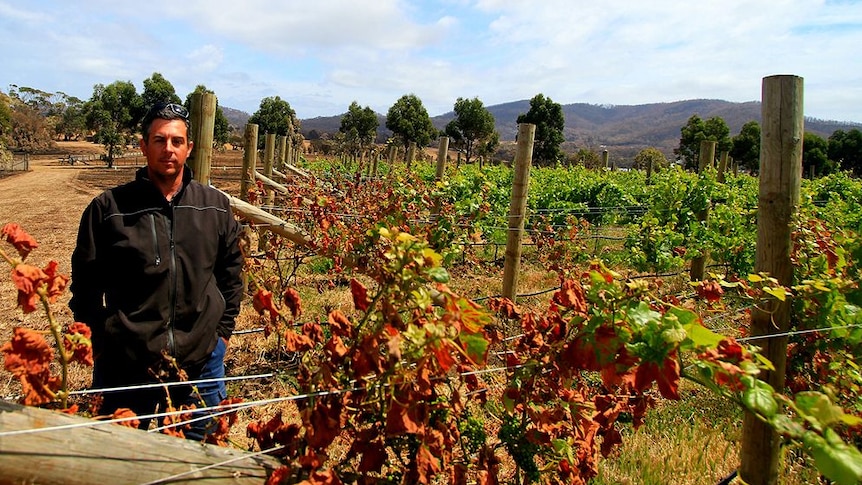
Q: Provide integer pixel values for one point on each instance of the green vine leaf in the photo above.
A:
(760, 398)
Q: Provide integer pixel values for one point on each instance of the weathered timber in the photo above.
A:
(518, 209)
(778, 202)
(109, 453)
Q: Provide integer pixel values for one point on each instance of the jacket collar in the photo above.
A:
(142, 175)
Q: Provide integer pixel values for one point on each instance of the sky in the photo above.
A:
(321, 55)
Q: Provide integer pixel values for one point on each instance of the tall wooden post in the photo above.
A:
(518, 209)
(707, 155)
(249, 160)
(411, 154)
(722, 165)
(268, 160)
(374, 162)
(605, 157)
(203, 127)
(780, 179)
(442, 152)
(282, 152)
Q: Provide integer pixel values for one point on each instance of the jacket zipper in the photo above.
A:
(156, 251)
(173, 285)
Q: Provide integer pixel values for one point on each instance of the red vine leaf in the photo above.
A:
(313, 331)
(426, 466)
(124, 413)
(293, 302)
(17, 237)
(323, 477)
(442, 351)
(505, 308)
(323, 423)
(78, 345)
(295, 342)
(28, 357)
(711, 291)
(339, 324)
(360, 295)
(373, 457)
(220, 436)
(335, 349)
(279, 476)
(27, 279)
(56, 282)
(667, 376)
(263, 302)
(571, 295)
(406, 419)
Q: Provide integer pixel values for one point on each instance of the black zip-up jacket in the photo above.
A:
(150, 275)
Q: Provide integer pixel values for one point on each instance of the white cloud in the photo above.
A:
(26, 15)
(322, 57)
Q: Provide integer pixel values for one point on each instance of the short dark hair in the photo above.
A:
(165, 111)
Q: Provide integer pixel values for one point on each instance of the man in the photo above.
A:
(156, 276)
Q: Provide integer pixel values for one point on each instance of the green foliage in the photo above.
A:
(835, 199)
(745, 147)
(522, 451)
(815, 158)
(845, 148)
(650, 157)
(472, 127)
(359, 126)
(473, 433)
(409, 121)
(221, 129)
(114, 112)
(275, 116)
(73, 121)
(697, 130)
(157, 89)
(5, 118)
(550, 122)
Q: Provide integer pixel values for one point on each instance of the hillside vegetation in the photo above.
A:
(623, 130)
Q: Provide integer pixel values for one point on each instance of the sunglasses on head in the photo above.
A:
(178, 110)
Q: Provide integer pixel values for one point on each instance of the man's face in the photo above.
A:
(167, 148)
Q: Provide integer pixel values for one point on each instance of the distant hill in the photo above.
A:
(623, 130)
(236, 118)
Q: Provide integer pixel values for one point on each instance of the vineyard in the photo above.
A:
(378, 343)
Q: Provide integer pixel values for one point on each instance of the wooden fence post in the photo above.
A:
(392, 156)
(518, 209)
(605, 157)
(780, 180)
(282, 152)
(203, 127)
(442, 152)
(249, 160)
(411, 154)
(707, 156)
(268, 160)
(722, 165)
(374, 161)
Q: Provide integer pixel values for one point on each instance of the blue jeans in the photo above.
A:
(212, 393)
(145, 401)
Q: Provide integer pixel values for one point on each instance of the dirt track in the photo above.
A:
(47, 202)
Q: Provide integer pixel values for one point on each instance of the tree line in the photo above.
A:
(31, 119)
(820, 156)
